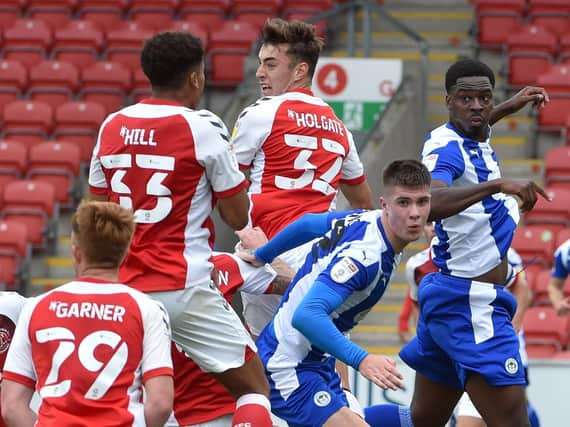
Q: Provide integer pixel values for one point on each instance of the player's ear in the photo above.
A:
(301, 70)
(194, 82)
(382, 203)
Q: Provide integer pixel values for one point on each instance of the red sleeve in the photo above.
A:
(354, 181)
(232, 191)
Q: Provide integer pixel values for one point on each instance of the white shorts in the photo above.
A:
(466, 408)
(259, 309)
(223, 421)
(206, 327)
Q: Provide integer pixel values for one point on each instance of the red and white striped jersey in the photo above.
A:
(192, 405)
(86, 348)
(11, 304)
(168, 163)
(298, 152)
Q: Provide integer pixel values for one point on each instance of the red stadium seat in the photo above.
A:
(312, 6)
(14, 255)
(124, 44)
(556, 80)
(545, 332)
(156, 15)
(561, 355)
(540, 288)
(564, 47)
(562, 236)
(53, 82)
(255, 12)
(194, 28)
(27, 121)
(557, 166)
(209, 13)
(105, 14)
(27, 41)
(57, 163)
(106, 83)
(141, 86)
(33, 204)
(554, 214)
(79, 43)
(535, 245)
(13, 81)
(228, 48)
(530, 53)
(55, 13)
(11, 11)
(78, 123)
(13, 162)
(552, 14)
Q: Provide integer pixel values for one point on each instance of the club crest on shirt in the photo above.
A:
(430, 161)
(343, 270)
(4, 340)
(322, 398)
(511, 366)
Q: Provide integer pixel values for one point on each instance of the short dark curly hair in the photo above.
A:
(167, 57)
(467, 68)
(304, 44)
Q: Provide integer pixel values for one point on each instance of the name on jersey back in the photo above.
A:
(312, 120)
(137, 136)
(88, 310)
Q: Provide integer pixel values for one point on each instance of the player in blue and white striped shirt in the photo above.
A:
(560, 273)
(343, 277)
(465, 338)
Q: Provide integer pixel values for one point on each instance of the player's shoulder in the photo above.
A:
(259, 108)
(564, 248)
(11, 304)
(418, 259)
(442, 136)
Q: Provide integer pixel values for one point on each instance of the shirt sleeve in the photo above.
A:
(157, 339)
(561, 261)
(352, 168)
(19, 366)
(445, 163)
(215, 153)
(256, 280)
(250, 132)
(97, 181)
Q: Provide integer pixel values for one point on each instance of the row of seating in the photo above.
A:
(496, 20)
(538, 280)
(546, 333)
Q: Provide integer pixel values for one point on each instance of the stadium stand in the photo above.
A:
(13, 162)
(15, 255)
(545, 332)
(13, 81)
(27, 121)
(496, 20)
(53, 82)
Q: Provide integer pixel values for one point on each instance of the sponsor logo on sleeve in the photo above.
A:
(430, 161)
(343, 270)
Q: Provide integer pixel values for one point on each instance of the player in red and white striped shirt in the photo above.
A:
(88, 347)
(171, 164)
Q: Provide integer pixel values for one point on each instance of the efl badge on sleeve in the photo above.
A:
(430, 161)
(343, 270)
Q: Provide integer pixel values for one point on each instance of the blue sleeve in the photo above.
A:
(445, 163)
(305, 229)
(560, 270)
(311, 318)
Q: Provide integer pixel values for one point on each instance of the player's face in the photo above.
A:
(406, 211)
(470, 104)
(276, 72)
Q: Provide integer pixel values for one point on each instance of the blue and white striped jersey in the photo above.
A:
(475, 240)
(561, 267)
(356, 260)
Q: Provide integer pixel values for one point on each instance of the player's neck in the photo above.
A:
(397, 244)
(103, 273)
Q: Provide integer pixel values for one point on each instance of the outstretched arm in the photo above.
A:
(530, 94)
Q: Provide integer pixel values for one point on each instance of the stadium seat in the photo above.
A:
(53, 82)
(14, 255)
(255, 12)
(125, 43)
(57, 163)
(557, 165)
(156, 15)
(27, 41)
(545, 332)
(530, 52)
(195, 28)
(27, 121)
(551, 14)
(11, 11)
(562, 236)
(303, 6)
(540, 288)
(141, 86)
(561, 355)
(564, 49)
(496, 20)
(535, 245)
(13, 162)
(55, 13)
(32, 203)
(556, 80)
(228, 48)
(105, 14)
(13, 81)
(106, 83)
(78, 122)
(79, 43)
(209, 13)
(554, 214)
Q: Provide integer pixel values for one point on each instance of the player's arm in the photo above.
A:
(158, 403)
(283, 278)
(234, 209)
(530, 94)
(522, 294)
(16, 400)
(556, 294)
(358, 195)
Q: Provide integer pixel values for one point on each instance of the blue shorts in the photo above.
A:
(317, 396)
(465, 327)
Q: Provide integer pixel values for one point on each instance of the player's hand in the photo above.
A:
(251, 238)
(381, 370)
(564, 308)
(526, 190)
(530, 94)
